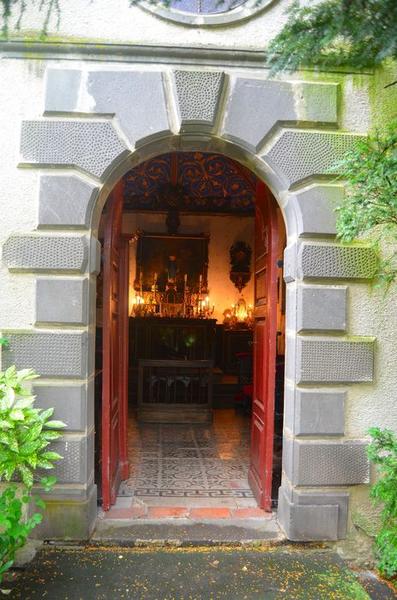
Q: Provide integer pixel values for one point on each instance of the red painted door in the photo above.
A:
(265, 338)
(114, 351)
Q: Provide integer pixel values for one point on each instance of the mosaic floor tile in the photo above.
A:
(190, 461)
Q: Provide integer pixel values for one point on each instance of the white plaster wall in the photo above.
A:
(118, 21)
(21, 97)
(372, 311)
(223, 230)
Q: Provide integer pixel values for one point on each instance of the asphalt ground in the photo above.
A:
(197, 573)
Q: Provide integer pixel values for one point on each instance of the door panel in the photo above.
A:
(115, 339)
(265, 336)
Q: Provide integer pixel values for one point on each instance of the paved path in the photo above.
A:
(284, 573)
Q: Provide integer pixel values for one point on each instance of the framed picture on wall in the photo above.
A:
(176, 257)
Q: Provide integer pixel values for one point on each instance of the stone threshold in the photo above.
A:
(143, 511)
(182, 531)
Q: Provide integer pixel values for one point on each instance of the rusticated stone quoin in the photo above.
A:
(326, 261)
(65, 201)
(198, 94)
(136, 98)
(46, 253)
(92, 146)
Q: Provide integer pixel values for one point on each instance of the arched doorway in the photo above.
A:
(295, 147)
(209, 187)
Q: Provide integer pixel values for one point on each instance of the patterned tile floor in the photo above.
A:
(175, 469)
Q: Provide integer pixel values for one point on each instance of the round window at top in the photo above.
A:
(204, 12)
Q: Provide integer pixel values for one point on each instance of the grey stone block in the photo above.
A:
(297, 155)
(95, 255)
(333, 261)
(321, 308)
(198, 94)
(77, 463)
(330, 360)
(137, 98)
(316, 102)
(311, 522)
(290, 263)
(68, 520)
(319, 412)
(72, 403)
(326, 463)
(54, 354)
(341, 499)
(92, 146)
(65, 201)
(37, 253)
(307, 523)
(290, 356)
(291, 294)
(316, 209)
(62, 90)
(264, 103)
(289, 407)
(62, 300)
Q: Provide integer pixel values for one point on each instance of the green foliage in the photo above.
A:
(383, 452)
(14, 528)
(25, 433)
(370, 203)
(358, 33)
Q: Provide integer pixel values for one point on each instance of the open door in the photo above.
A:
(114, 351)
(265, 339)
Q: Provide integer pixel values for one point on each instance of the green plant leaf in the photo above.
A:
(54, 424)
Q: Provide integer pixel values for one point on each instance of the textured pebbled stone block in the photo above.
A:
(320, 521)
(198, 94)
(72, 403)
(62, 301)
(78, 463)
(65, 201)
(330, 360)
(92, 146)
(321, 308)
(319, 412)
(325, 463)
(316, 209)
(265, 103)
(37, 253)
(333, 261)
(136, 98)
(54, 354)
(297, 155)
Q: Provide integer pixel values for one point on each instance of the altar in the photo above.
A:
(176, 345)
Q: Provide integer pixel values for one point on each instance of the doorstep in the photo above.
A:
(175, 526)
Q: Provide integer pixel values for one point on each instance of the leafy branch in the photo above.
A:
(357, 33)
(383, 453)
(370, 203)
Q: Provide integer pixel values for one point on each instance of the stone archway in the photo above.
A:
(100, 123)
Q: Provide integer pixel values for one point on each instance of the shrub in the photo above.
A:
(25, 433)
(383, 452)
